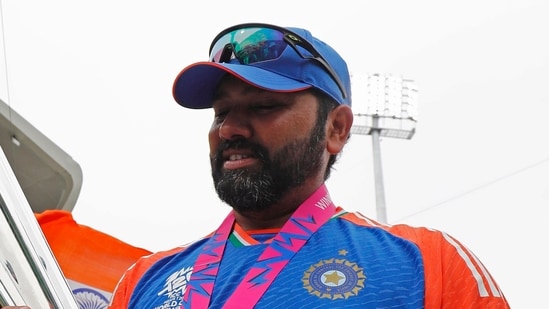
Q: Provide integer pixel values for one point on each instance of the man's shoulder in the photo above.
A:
(147, 266)
(416, 234)
(144, 263)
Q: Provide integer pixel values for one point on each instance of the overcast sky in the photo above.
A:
(96, 76)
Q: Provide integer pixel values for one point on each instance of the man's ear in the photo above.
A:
(338, 128)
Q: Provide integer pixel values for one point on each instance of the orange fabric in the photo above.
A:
(84, 254)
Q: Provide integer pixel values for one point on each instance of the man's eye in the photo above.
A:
(265, 107)
(219, 116)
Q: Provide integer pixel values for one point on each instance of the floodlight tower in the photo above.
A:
(389, 105)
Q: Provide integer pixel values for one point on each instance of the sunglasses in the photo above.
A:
(253, 43)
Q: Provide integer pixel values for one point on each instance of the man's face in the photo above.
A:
(262, 144)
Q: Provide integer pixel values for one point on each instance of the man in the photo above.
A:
(282, 103)
(282, 115)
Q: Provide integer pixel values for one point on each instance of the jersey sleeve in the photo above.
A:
(454, 276)
(124, 289)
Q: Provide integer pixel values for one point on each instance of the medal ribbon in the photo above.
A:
(305, 221)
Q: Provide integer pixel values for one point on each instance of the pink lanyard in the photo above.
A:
(305, 221)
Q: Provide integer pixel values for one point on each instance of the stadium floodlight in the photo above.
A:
(385, 106)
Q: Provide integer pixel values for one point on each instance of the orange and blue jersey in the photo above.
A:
(350, 261)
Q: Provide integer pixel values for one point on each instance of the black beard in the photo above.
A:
(255, 190)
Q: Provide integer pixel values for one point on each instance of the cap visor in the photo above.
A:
(195, 85)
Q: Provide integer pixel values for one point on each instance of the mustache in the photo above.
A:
(258, 150)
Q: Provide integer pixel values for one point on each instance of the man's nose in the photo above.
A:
(235, 125)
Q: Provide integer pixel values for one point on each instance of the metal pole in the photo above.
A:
(378, 174)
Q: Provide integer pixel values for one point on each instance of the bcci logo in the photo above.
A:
(334, 279)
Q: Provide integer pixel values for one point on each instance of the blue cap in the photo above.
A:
(195, 85)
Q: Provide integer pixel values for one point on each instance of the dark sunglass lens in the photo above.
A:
(260, 51)
(249, 45)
